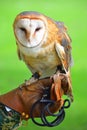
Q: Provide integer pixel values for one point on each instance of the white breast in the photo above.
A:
(43, 60)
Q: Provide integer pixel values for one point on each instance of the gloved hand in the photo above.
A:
(20, 102)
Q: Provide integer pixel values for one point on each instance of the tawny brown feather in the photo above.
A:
(47, 46)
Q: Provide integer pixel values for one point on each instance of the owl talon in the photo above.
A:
(30, 81)
(33, 79)
(36, 75)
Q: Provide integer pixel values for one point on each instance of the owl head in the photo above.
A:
(31, 28)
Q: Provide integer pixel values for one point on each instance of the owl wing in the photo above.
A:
(63, 46)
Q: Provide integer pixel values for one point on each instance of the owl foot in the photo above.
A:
(33, 79)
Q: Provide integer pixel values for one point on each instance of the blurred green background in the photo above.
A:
(13, 72)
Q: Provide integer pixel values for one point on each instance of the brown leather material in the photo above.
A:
(22, 98)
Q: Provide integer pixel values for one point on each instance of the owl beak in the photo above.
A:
(27, 35)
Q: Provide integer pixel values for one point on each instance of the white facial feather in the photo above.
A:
(30, 33)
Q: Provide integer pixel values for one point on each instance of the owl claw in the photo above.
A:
(36, 75)
(33, 79)
(30, 81)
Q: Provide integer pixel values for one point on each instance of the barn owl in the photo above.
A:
(43, 44)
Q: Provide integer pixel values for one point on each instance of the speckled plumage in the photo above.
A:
(43, 44)
(54, 50)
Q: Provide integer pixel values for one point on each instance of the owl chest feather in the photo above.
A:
(42, 60)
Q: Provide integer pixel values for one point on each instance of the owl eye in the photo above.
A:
(37, 29)
(23, 29)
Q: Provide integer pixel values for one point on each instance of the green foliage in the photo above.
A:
(13, 72)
